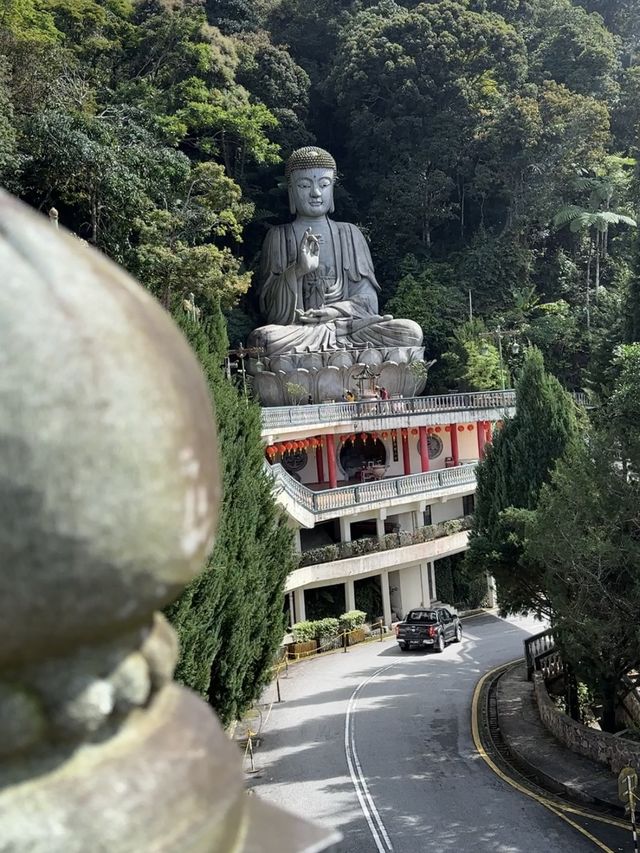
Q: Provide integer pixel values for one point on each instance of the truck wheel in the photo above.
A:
(440, 645)
(458, 633)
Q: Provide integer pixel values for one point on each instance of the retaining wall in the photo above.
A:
(616, 752)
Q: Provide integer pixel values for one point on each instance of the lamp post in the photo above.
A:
(515, 348)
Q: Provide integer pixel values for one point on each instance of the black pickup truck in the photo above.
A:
(430, 627)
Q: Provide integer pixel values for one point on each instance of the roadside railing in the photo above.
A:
(365, 493)
(535, 646)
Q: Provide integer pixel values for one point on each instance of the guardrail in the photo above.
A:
(280, 416)
(535, 646)
(347, 496)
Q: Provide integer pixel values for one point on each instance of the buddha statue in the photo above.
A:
(318, 287)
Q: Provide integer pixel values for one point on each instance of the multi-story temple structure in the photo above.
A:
(381, 488)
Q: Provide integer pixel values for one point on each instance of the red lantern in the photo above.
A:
(414, 431)
(429, 430)
(374, 436)
(363, 436)
(404, 432)
(447, 428)
(288, 446)
(460, 428)
(438, 429)
(385, 434)
(352, 437)
(470, 427)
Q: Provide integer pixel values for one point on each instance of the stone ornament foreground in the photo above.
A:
(109, 493)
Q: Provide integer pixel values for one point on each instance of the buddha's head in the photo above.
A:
(311, 175)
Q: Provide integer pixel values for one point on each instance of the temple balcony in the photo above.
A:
(308, 507)
(401, 559)
(293, 421)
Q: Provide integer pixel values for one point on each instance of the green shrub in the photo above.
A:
(352, 619)
(326, 630)
(303, 632)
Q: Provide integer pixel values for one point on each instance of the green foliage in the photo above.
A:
(521, 459)
(324, 631)
(230, 620)
(352, 619)
(584, 535)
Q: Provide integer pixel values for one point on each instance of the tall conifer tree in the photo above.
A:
(521, 460)
(230, 620)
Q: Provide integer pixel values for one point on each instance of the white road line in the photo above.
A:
(377, 827)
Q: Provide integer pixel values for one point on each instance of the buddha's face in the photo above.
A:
(312, 191)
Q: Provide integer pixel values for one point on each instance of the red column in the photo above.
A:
(331, 461)
(455, 453)
(320, 461)
(424, 449)
(482, 439)
(489, 433)
(406, 459)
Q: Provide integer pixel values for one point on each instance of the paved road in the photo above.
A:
(393, 767)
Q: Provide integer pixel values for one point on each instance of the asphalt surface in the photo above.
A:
(377, 744)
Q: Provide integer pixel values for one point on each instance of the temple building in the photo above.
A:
(377, 492)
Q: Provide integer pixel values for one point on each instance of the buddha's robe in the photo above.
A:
(345, 281)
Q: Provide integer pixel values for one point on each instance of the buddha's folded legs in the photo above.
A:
(281, 340)
(388, 333)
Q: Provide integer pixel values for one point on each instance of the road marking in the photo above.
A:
(556, 808)
(377, 827)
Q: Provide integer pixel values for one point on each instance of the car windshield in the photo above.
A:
(422, 616)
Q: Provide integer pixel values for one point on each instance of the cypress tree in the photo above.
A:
(230, 620)
(521, 460)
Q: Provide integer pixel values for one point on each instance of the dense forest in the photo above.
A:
(486, 147)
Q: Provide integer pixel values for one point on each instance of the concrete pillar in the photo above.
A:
(300, 611)
(320, 461)
(386, 597)
(345, 529)
(297, 544)
(425, 596)
(380, 527)
(424, 449)
(350, 595)
(331, 461)
(455, 453)
(291, 610)
(406, 456)
(433, 592)
(491, 591)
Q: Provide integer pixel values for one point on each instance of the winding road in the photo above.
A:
(377, 744)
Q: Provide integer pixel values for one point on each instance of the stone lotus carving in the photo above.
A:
(319, 293)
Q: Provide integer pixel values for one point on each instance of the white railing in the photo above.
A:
(281, 416)
(380, 490)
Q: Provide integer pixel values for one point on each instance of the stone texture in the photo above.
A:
(108, 484)
(108, 495)
(615, 752)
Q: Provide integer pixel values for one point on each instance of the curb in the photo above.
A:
(556, 786)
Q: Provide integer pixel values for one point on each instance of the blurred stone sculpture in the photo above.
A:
(109, 493)
(318, 288)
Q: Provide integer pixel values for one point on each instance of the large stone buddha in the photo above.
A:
(318, 288)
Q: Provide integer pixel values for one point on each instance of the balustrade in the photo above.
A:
(379, 490)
